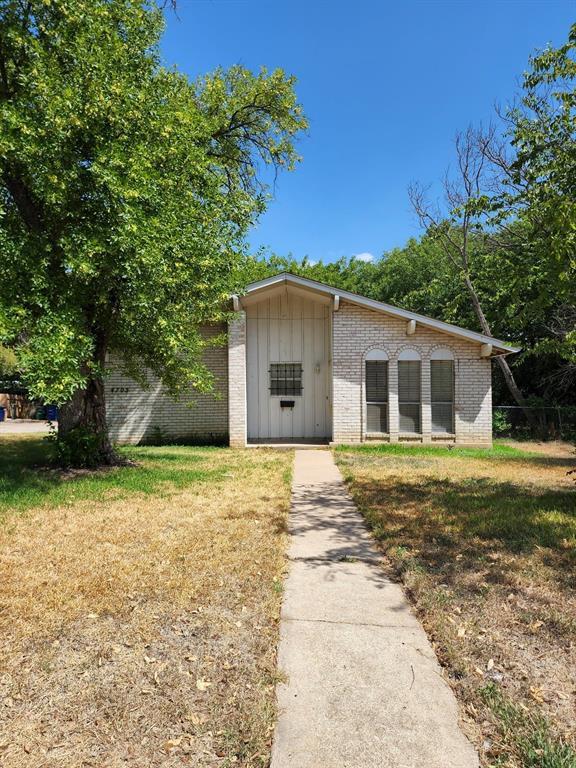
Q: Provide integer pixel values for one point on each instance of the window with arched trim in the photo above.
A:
(376, 388)
(410, 391)
(442, 391)
(442, 353)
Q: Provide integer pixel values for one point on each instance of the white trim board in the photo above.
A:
(285, 278)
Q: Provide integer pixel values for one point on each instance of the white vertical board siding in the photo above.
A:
(288, 329)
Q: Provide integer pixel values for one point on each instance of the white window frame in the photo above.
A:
(410, 355)
(443, 355)
(377, 355)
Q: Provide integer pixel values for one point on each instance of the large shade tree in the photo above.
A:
(125, 194)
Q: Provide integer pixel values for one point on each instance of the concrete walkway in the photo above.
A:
(363, 687)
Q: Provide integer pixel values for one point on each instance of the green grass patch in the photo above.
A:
(479, 510)
(527, 734)
(27, 482)
(522, 518)
(498, 451)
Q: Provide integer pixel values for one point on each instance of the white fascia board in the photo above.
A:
(380, 306)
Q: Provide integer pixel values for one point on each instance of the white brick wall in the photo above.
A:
(137, 415)
(237, 380)
(356, 330)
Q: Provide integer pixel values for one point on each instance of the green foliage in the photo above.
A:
(544, 170)
(26, 482)
(539, 190)
(500, 423)
(80, 447)
(8, 363)
(125, 190)
(346, 273)
(527, 733)
(52, 356)
(9, 372)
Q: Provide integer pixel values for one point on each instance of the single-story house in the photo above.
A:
(307, 362)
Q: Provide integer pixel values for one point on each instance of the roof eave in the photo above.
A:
(501, 348)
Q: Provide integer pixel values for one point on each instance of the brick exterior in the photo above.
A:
(138, 415)
(237, 380)
(357, 330)
(146, 415)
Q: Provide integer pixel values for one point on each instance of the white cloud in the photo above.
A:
(367, 257)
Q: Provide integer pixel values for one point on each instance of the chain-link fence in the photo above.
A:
(538, 422)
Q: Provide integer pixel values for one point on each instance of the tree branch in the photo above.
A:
(23, 198)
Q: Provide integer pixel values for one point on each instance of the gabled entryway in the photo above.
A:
(307, 361)
(288, 365)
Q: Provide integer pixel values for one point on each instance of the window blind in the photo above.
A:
(442, 395)
(376, 381)
(377, 395)
(409, 395)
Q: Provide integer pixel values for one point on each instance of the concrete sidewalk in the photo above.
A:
(24, 427)
(364, 688)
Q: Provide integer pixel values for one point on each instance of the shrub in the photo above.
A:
(79, 448)
(500, 423)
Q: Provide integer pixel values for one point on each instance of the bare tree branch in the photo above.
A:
(481, 163)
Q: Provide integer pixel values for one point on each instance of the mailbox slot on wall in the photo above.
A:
(286, 403)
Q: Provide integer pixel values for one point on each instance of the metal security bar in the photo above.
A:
(286, 379)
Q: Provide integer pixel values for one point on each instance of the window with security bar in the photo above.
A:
(442, 396)
(409, 396)
(376, 395)
(286, 379)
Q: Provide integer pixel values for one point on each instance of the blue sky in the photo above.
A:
(385, 86)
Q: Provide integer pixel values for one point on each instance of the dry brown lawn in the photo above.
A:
(139, 609)
(485, 543)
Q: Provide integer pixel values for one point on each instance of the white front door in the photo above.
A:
(288, 368)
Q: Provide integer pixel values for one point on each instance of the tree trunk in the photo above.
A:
(513, 388)
(87, 410)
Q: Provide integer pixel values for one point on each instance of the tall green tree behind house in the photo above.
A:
(8, 364)
(418, 277)
(457, 225)
(125, 195)
(512, 203)
(539, 188)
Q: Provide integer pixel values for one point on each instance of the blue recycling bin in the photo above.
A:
(2, 413)
(52, 412)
